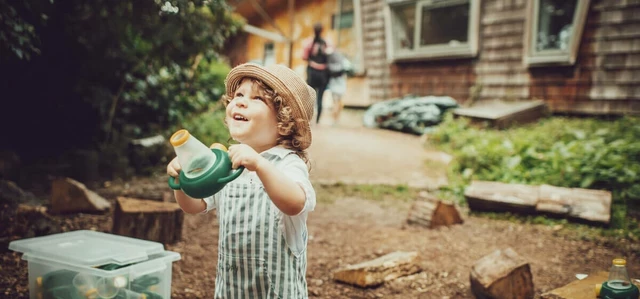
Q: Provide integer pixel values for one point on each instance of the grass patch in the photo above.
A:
(561, 151)
(329, 193)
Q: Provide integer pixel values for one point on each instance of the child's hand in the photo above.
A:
(174, 167)
(244, 155)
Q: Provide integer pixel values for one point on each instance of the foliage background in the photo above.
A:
(92, 75)
(561, 151)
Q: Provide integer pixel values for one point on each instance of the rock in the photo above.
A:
(502, 274)
(33, 221)
(68, 196)
(377, 271)
(13, 195)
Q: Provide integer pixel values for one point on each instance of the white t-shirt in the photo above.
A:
(294, 227)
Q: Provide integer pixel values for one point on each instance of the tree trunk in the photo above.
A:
(431, 212)
(501, 274)
(148, 219)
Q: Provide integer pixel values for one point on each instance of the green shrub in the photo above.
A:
(208, 127)
(560, 151)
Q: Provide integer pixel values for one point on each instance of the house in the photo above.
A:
(579, 56)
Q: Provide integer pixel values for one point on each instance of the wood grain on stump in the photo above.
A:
(432, 212)
(502, 274)
(148, 219)
(377, 271)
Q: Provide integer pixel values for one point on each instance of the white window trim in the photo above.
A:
(466, 50)
(357, 23)
(532, 58)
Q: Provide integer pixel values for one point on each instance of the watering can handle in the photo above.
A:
(173, 184)
(234, 175)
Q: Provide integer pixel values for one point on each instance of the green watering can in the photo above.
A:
(618, 285)
(205, 171)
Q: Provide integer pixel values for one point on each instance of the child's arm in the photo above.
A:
(187, 204)
(286, 194)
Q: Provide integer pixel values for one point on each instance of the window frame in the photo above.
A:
(432, 52)
(533, 58)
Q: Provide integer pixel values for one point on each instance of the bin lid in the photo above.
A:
(87, 248)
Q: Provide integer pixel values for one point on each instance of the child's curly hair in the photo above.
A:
(289, 136)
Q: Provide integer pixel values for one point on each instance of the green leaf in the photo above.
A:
(587, 181)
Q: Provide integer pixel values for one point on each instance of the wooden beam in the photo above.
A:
(265, 33)
(291, 24)
(265, 16)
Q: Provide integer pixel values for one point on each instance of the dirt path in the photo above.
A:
(352, 154)
(347, 230)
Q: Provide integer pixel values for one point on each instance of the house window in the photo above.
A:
(428, 29)
(269, 54)
(553, 32)
(345, 20)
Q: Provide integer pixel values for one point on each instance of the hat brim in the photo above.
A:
(268, 76)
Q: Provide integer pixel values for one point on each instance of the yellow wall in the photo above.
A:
(306, 15)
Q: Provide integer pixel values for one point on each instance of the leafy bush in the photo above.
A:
(208, 127)
(108, 70)
(560, 151)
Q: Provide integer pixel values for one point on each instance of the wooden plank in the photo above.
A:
(575, 203)
(502, 114)
(581, 289)
(501, 197)
(377, 271)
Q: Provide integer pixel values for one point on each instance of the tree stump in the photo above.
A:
(502, 274)
(377, 271)
(148, 219)
(431, 212)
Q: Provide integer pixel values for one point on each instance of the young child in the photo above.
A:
(263, 213)
(337, 82)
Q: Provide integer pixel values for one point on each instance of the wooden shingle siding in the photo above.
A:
(613, 35)
(375, 53)
(499, 69)
(442, 78)
(604, 79)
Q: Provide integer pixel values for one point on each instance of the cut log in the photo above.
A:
(432, 212)
(502, 197)
(148, 219)
(501, 274)
(377, 271)
(68, 195)
(168, 196)
(575, 203)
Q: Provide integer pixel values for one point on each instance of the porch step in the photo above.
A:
(503, 114)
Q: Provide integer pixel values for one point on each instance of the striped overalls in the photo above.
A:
(254, 260)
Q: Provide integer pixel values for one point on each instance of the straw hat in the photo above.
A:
(288, 84)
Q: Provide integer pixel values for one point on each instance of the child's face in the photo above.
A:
(251, 118)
